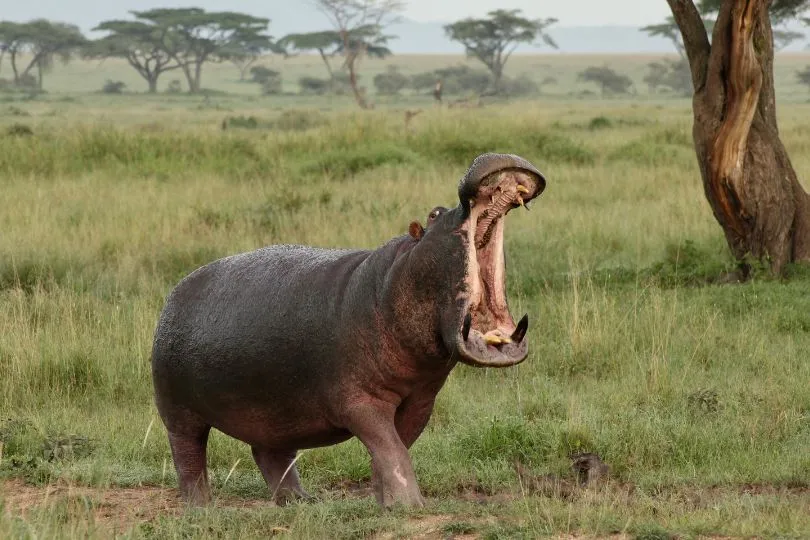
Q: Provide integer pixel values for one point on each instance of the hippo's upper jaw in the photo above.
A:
(487, 333)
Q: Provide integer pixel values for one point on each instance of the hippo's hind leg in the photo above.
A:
(280, 473)
(188, 453)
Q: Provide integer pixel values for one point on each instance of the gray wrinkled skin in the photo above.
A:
(291, 347)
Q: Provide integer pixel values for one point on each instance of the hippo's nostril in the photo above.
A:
(465, 330)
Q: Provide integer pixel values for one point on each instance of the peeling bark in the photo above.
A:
(748, 178)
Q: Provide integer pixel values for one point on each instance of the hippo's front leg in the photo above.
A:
(392, 471)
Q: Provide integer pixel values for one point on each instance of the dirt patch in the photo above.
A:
(113, 509)
(438, 527)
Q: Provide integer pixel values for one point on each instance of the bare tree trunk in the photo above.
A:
(13, 58)
(39, 76)
(358, 95)
(198, 77)
(329, 69)
(747, 175)
(189, 78)
(153, 82)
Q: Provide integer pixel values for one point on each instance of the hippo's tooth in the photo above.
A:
(520, 331)
(465, 330)
(523, 189)
(520, 201)
(495, 337)
(492, 339)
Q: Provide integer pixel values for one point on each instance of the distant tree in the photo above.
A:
(672, 75)
(194, 36)
(747, 174)
(492, 40)
(326, 43)
(656, 72)
(360, 25)
(609, 81)
(141, 44)
(12, 43)
(245, 47)
(391, 82)
(45, 41)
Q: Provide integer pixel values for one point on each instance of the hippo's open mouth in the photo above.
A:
(488, 336)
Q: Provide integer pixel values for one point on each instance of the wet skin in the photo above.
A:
(292, 347)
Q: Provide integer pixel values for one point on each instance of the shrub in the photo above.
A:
(175, 87)
(19, 130)
(313, 85)
(247, 122)
(299, 120)
(600, 122)
(272, 86)
(519, 86)
(390, 83)
(609, 81)
(455, 80)
(28, 82)
(113, 87)
(261, 74)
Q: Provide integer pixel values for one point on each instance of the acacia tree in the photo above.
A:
(326, 43)
(193, 36)
(12, 43)
(747, 174)
(360, 25)
(139, 43)
(245, 47)
(493, 40)
(46, 41)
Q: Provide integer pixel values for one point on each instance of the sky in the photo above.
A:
(86, 13)
(569, 12)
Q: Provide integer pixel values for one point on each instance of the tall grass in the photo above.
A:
(676, 383)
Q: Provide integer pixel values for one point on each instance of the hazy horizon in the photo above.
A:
(86, 13)
(584, 26)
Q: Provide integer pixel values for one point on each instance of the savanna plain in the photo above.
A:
(693, 389)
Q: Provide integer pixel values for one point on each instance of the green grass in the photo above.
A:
(694, 393)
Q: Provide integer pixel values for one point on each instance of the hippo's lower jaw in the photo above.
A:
(488, 336)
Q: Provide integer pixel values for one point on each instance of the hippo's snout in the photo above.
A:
(487, 335)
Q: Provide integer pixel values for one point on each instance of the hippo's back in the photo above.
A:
(250, 316)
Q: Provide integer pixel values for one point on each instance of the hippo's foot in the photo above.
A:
(279, 471)
(396, 494)
(188, 453)
(392, 470)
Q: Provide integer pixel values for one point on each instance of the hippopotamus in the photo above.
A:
(291, 347)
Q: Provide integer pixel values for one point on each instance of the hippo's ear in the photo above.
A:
(416, 230)
(486, 165)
